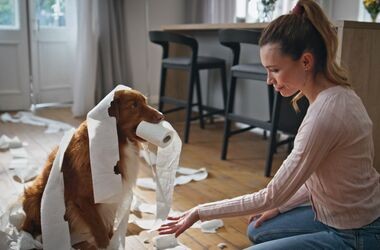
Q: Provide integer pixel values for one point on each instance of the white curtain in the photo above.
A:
(86, 60)
(101, 52)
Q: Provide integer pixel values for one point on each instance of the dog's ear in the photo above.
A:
(113, 110)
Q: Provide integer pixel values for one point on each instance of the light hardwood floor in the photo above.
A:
(242, 173)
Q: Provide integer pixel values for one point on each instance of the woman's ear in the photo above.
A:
(307, 60)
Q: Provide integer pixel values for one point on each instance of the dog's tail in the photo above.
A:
(31, 200)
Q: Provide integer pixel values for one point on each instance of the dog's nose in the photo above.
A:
(160, 116)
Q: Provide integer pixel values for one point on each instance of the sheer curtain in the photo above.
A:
(101, 52)
(86, 62)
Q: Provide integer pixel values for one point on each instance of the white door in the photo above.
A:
(14, 63)
(52, 47)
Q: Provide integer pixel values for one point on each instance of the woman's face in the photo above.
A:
(286, 75)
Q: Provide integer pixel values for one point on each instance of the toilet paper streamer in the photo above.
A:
(55, 230)
(102, 133)
(169, 145)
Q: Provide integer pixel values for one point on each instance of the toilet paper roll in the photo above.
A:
(155, 133)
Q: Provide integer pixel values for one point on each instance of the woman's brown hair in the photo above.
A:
(307, 29)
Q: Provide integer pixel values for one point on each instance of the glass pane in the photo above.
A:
(51, 13)
(8, 14)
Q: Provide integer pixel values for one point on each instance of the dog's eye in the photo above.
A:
(134, 105)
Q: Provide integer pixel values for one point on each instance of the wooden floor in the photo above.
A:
(242, 173)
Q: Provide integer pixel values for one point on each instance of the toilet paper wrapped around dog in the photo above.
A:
(107, 186)
(55, 230)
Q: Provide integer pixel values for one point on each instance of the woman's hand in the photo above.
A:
(179, 224)
(264, 216)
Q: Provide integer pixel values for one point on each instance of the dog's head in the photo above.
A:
(130, 107)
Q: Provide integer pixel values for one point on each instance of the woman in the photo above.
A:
(331, 163)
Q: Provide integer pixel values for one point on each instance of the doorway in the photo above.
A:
(37, 51)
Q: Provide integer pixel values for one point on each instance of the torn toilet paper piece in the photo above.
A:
(138, 205)
(188, 175)
(52, 126)
(18, 163)
(55, 230)
(157, 242)
(147, 224)
(10, 237)
(7, 143)
(18, 153)
(12, 194)
(209, 226)
(168, 242)
(25, 173)
(222, 245)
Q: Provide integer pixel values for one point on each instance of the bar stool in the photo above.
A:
(193, 65)
(282, 116)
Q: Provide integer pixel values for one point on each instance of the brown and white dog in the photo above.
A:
(129, 107)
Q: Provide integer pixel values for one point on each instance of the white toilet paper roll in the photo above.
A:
(155, 133)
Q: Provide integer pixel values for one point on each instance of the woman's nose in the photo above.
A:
(270, 80)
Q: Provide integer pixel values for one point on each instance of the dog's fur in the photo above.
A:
(129, 107)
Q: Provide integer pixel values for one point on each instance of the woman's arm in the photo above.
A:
(317, 137)
(299, 198)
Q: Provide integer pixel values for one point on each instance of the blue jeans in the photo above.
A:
(297, 229)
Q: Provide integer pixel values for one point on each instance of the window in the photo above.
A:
(50, 13)
(251, 10)
(9, 14)
(363, 14)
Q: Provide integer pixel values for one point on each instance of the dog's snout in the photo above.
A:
(159, 116)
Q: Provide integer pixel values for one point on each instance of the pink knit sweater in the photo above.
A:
(330, 165)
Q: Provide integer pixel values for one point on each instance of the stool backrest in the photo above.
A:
(163, 38)
(232, 38)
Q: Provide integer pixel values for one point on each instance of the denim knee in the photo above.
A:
(255, 235)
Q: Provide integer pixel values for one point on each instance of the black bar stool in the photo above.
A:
(233, 39)
(193, 65)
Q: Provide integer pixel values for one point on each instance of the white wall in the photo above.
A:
(345, 9)
(143, 56)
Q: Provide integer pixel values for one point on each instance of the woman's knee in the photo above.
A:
(256, 235)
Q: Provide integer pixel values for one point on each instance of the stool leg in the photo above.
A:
(162, 89)
(270, 101)
(272, 140)
(199, 97)
(227, 122)
(192, 76)
(224, 86)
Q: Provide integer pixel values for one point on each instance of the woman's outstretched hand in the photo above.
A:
(179, 224)
(264, 216)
